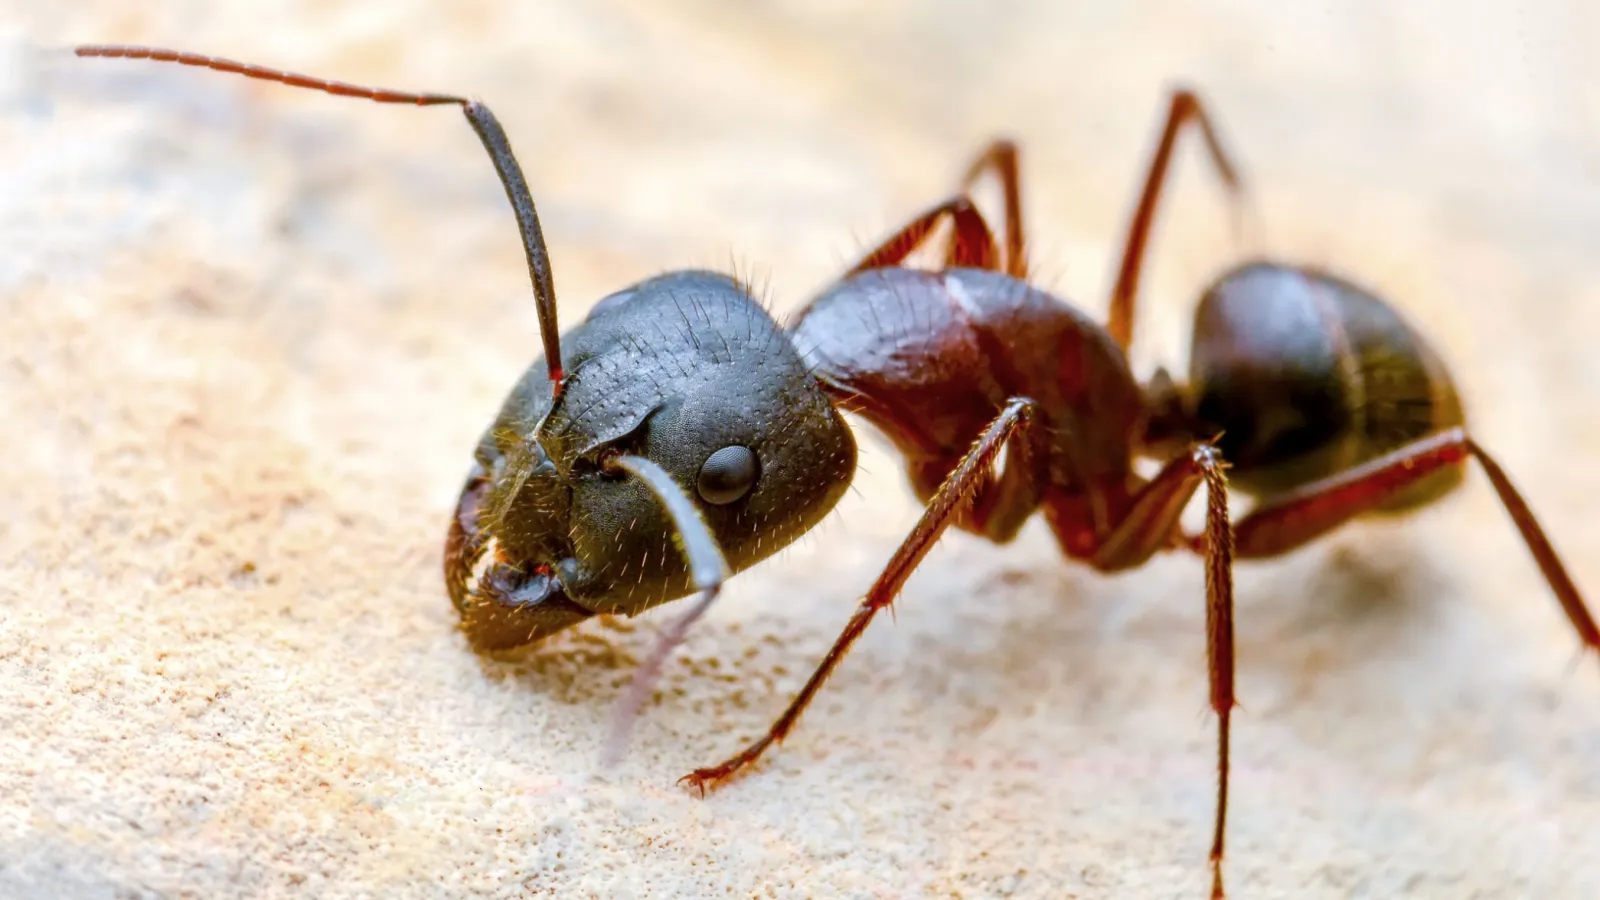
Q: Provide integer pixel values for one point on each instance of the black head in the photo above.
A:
(685, 370)
(689, 371)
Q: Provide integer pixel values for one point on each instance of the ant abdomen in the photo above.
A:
(1306, 374)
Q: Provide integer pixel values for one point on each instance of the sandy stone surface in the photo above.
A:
(248, 336)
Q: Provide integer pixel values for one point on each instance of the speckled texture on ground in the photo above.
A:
(250, 335)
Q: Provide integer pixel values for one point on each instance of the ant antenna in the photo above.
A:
(707, 568)
(483, 122)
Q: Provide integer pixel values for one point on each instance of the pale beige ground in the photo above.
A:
(250, 334)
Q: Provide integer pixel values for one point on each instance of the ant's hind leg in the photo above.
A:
(1282, 524)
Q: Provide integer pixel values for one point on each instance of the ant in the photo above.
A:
(679, 435)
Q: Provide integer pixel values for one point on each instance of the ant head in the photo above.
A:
(687, 371)
(678, 401)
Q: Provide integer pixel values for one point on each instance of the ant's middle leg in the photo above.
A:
(1001, 157)
(1146, 525)
(1183, 108)
(971, 245)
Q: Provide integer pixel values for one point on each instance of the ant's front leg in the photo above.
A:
(956, 492)
(1003, 500)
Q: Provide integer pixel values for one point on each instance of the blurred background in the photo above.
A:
(250, 335)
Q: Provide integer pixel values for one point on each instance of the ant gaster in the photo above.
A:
(679, 435)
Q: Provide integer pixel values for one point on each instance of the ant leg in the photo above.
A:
(1148, 526)
(956, 492)
(1007, 502)
(1184, 107)
(1001, 157)
(1286, 523)
(1151, 518)
(1001, 504)
(972, 245)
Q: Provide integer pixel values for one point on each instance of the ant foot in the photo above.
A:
(704, 780)
(712, 777)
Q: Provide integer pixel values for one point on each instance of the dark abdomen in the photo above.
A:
(1306, 374)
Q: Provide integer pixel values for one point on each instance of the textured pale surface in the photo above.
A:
(250, 334)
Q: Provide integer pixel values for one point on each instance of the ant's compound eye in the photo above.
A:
(727, 475)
